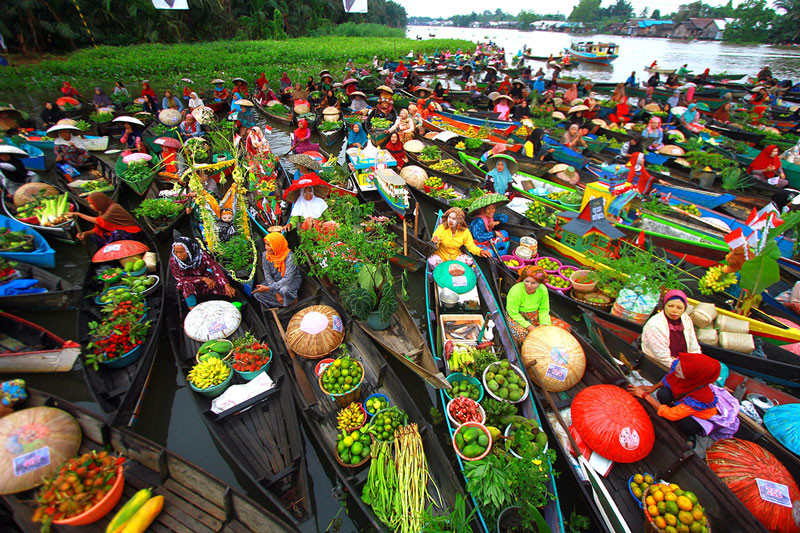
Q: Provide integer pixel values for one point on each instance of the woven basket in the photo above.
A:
(315, 332)
(704, 314)
(737, 342)
(346, 398)
(583, 295)
(732, 325)
(707, 336)
(556, 357)
(347, 465)
(301, 108)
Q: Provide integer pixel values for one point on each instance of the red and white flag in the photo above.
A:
(735, 239)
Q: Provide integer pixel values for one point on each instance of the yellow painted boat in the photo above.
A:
(773, 334)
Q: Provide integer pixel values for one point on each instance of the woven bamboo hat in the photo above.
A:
(28, 191)
(555, 356)
(671, 149)
(315, 331)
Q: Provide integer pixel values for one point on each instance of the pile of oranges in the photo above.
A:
(668, 507)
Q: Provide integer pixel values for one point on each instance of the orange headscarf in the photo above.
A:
(280, 250)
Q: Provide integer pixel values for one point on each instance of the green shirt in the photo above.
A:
(519, 301)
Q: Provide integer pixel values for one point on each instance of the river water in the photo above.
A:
(635, 53)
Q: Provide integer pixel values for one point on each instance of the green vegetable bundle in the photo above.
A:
(53, 210)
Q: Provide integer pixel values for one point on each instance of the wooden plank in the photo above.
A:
(195, 499)
(269, 437)
(247, 446)
(188, 476)
(187, 514)
(235, 527)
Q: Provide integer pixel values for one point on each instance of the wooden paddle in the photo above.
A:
(302, 379)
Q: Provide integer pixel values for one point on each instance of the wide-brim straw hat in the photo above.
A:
(558, 114)
(315, 331)
(424, 90)
(321, 189)
(13, 150)
(486, 200)
(502, 97)
(599, 122)
(518, 82)
(384, 88)
(510, 162)
(203, 114)
(578, 108)
(216, 319)
(337, 85)
(537, 357)
(490, 67)
(240, 79)
(11, 109)
(67, 122)
(357, 93)
(348, 81)
(330, 111)
(557, 101)
(323, 72)
(306, 161)
(62, 127)
(170, 117)
(671, 149)
(28, 192)
(652, 108)
(678, 110)
(129, 120)
(244, 102)
(414, 146)
(492, 95)
(576, 101)
(217, 80)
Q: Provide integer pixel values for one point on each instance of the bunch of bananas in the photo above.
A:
(462, 358)
(209, 373)
(350, 418)
(460, 145)
(715, 280)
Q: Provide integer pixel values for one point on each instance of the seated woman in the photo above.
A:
(194, 101)
(113, 222)
(13, 173)
(484, 228)
(356, 137)
(264, 94)
(572, 138)
(404, 126)
(101, 99)
(286, 83)
(687, 396)
(51, 114)
(132, 139)
(499, 174)
(502, 106)
(302, 138)
(282, 279)
(450, 236)
(723, 113)
(69, 91)
(196, 273)
(622, 113)
(150, 103)
(691, 119)
(528, 304)
(258, 154)
(358, 104)
(534, 146)
(220, 92)
(190, 127)
(308, 205)
(70, 149)
(767, 167)
(653, 135)
(395, 147)
(170, 101)
(670, 331)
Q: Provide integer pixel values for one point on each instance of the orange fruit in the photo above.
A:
(685, 517)
(696, 527)
(658, 496)
(638, 493)
(648, 479)
(638, 478)
(673, 487)
(672, 507)
(697, 513)
(671, 519)
(683, 528)
(670, 497)
(652, 510)
(650, 500)
(662, 507)
(691, 497)
(670, 529)
(684, 503)
(660, 522)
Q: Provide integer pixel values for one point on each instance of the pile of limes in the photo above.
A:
(341, 376)
(353, 447)
(384, 423)
(671, 509)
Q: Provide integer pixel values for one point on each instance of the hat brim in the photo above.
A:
(320, 191)
(513, 166)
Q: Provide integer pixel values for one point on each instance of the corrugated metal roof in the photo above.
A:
(649, 23)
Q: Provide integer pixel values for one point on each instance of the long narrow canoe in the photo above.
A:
(64, 232)
(61, 294)
(28, 347)
(194, 500)
(42, 254)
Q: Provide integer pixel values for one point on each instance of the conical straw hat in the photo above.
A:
(555, 356)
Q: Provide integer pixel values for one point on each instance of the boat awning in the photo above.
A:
(389, 176)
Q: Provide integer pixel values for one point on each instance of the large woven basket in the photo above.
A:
(704, 314)
(732, 325)
(707, 336)
(315, 331)
(555, 356)
(737, 342)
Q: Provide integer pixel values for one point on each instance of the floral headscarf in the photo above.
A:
(533, 271)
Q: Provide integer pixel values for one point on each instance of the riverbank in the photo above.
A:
(165, 64)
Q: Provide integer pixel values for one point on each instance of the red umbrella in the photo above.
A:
(758, 479)
(169, 142)
(64, 100)
(321, 189)
(119, 250)
(613, 423)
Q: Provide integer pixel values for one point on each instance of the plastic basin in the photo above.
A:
(125, 359)
(102, 508)
(482, 428)
(458, 376)
(216, 390)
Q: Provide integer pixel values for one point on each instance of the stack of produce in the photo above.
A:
(209, 373)
(668, 507)
(138, 284)
(504, 382)
(353, 448)
(250, 355)
(352, 417)
(138, 513)
(15, 240)
(472, 440)
(216, 348)
(119, 332)
(383, 424)
(375, 404)
(342, 376)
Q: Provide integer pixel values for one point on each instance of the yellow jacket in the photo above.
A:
(450, 245)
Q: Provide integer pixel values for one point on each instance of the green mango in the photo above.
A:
(472, 450)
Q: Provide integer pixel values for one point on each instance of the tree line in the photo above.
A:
(37, 26)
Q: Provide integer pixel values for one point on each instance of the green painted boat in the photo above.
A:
(139, 187)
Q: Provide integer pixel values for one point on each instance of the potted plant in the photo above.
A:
(372, 297)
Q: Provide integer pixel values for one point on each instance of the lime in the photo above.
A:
(348, 441)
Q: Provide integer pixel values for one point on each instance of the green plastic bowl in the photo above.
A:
(216, 390)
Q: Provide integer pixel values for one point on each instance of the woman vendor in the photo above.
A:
(622, 113)
(70, 149)
(499, 174)
(282, 279)
(723, 113)
(572, 138)
(150, 103)
(691, 119)
(101, 99)
(113, 222)
(395, 147)
(196, 273)
(265, 94)
(190, 127)
(534, 146)
(670, 331)
(767, 167)
(384, 109)
(450, 236)
(51, 114)
(285, 82)
(502, 106)
(69, 91)
(653, 135)
(307, 198)
(356, 137)
(302, 136)
(358, 103)
(687, 396)
(404, 126)
(220, 92)
(13, 173)
(132, 139)
(484, 228)
(528, 304)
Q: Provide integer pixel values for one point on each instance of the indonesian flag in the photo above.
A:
(752, 218)
(736, 239)
(171, 4)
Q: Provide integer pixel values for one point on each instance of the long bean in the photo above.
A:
(412, 478)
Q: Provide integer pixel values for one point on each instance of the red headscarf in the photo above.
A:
(261, 80)
(146, 90)
(699, 371)
(644, 177)
(301, 133)
(397, 151)
(401, 68)
(764, 159)
(68, 90)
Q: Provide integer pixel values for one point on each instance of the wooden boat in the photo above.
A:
(120, 391)
(661, 71)
(522, 181)
(737, 134)
(490, 309)
(595, 53)
(28, 347)
(330, 138)
(139, 187)
(379, 377)
(42, 254)
(40, 139)
(261, 435)
(283, 119)
(64, 232)
(609, 495)
(61, 294)
(194, 500)
(161, 228)
(102, 172)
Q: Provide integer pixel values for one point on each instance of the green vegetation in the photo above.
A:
(165, 64)
(349, 29)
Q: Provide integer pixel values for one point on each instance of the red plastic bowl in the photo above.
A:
(482, 428)
(101, 508)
